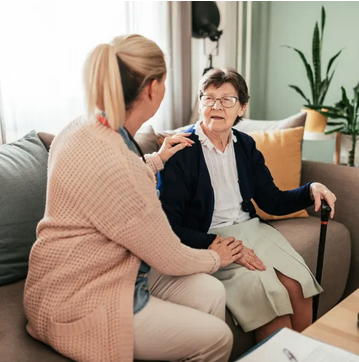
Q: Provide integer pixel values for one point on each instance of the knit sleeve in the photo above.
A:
(154, 162)
(121, 202)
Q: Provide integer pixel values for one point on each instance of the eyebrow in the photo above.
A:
(225, 95)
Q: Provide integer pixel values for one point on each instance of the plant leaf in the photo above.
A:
(335, 124)
(334, 130)
(316, 52)
(345, 99)
(307, 68)
(323, 24)
(356, 98)
(324, 88)
(299, 91)
(331, 61)
(333, 115)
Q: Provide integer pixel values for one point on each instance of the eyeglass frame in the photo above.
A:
(220, 100)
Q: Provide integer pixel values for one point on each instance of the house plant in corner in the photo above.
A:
(315, 121)
(349, 112)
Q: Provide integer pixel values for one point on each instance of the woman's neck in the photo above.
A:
(134, 120)
(219, 139)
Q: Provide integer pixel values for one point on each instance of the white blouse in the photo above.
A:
(222, 170)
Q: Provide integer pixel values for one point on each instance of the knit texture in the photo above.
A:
(102, 217)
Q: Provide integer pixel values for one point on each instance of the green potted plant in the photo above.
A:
(349, 111)
(316, 122)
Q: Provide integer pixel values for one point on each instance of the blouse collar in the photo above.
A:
(205, 141)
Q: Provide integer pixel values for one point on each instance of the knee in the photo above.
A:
(211, 286)
(213, 290)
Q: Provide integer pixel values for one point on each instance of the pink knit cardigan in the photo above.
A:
(102, 216)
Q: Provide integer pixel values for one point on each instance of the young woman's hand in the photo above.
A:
(173, 144)
(228, 249)
(250, 260)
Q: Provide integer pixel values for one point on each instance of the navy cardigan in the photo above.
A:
(187, 195)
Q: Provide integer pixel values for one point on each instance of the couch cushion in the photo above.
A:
(282, 150)
(16, 345)
(303, 234)
(252, 125)
(22, 202)
(147, 139)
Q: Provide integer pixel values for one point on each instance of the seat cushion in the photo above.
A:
(303, 234)
(23, 165)
(16, 345)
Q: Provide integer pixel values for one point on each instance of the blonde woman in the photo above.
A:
(87, 294)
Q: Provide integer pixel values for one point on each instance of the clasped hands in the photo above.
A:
(231, 250)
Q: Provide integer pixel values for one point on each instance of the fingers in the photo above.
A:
(330, 198)
(318, 202)
(179, 138)
(217, 240)
(228, 241)
(237, 250)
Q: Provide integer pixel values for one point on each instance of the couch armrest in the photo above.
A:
(343, 181)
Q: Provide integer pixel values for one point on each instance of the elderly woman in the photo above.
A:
(206, 191)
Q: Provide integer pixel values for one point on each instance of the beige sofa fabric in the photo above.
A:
(344, 182)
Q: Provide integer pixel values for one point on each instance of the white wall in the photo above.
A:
(273, 67)
(292, 23)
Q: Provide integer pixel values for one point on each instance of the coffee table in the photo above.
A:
(338, 327)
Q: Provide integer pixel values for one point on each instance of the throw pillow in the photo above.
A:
(250, 125)
(23, 165)
(282, 153)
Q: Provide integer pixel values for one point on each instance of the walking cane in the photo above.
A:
(324, 217)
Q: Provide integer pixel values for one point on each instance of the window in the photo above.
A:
(43, 49)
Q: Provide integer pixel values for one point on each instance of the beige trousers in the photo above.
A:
(183, 320)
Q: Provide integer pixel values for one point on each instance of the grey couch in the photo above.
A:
(340, 275)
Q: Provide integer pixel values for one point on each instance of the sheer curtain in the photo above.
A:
(43, 49)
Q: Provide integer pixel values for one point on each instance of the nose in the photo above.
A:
(217, 104)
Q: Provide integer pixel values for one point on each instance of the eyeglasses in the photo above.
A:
(227, 102)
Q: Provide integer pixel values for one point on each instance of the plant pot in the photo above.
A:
(315, 122)
(345, 147)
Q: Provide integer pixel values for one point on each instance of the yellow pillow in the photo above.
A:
(281, 150)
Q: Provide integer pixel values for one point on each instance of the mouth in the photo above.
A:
(217, 118)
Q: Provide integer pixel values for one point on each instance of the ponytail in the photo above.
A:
(103, 85)
(115, 74)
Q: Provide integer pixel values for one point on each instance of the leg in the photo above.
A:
(171, 332)
(269, 328)
(302, 307)
(199, 291)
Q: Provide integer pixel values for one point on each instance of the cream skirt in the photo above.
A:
(256, 297)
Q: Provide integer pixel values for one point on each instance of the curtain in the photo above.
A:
(44, 46)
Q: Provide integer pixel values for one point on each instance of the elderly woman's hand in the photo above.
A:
(250, 260)
(173, 144)
(319, 192)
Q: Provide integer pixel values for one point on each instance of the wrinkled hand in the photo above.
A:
(319, 192)
(228, 249)
(173, 144)
(250, 260)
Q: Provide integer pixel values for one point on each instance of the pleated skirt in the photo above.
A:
(256, 297)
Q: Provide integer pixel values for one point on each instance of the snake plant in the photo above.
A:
(347, 110)
(318, 86)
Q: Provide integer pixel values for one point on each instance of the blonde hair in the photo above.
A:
(115, 74)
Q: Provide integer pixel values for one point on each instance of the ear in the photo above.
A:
(152, 89)
(242, 109)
